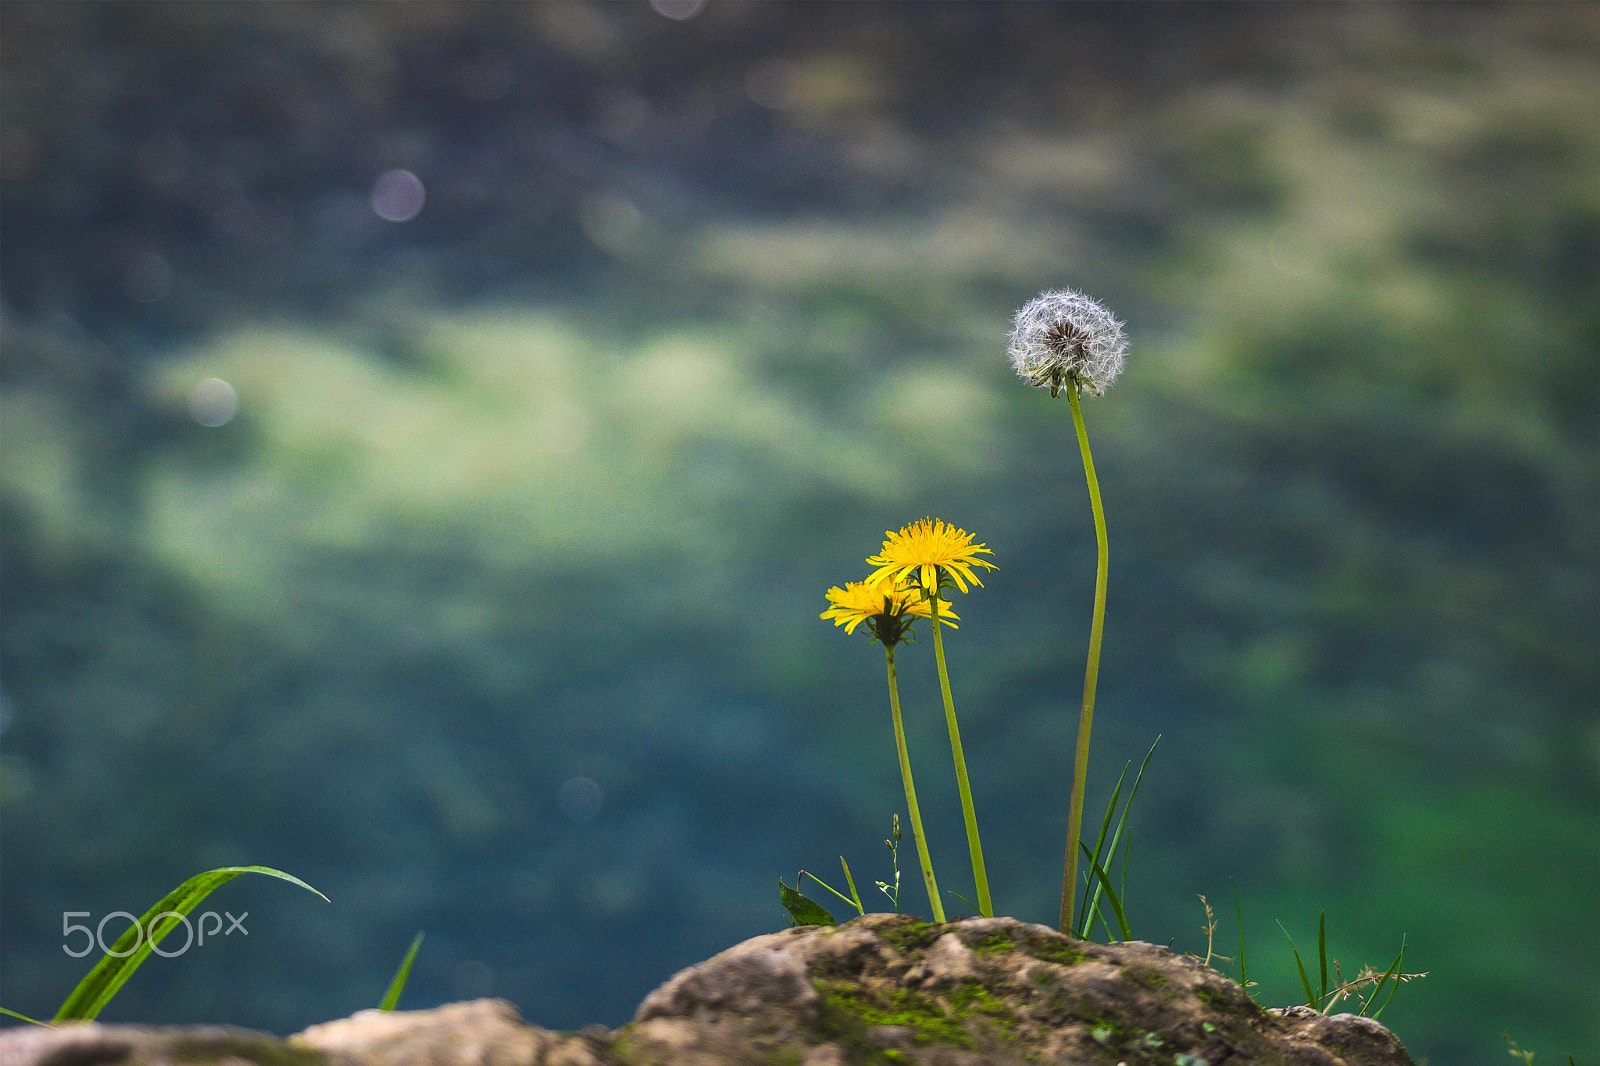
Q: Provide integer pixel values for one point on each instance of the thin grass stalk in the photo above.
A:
(1322, 953)
(24, 1018)
(1305, 980)
(830, 888)
(1238, 914)
(1091, 674)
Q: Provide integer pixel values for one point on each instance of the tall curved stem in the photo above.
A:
(1091, 675)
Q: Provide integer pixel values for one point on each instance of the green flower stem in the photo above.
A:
(974, 845)
(911, 793)
(1091, 676)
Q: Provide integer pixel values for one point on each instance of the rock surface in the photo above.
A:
(881, 989)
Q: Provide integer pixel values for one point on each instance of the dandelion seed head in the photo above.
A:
(1067, 339)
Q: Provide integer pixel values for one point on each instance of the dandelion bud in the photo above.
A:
(1067, 339)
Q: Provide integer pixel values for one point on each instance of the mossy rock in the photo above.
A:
(882, 989)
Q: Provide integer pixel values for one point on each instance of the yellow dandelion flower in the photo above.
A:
(886, 606)
(926, 548)
(926, 552)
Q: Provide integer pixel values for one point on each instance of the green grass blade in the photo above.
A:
(824, 884)
(1393, 971)
(805, 911)
(1127, 808)
(1111, 894)
(391, 998)
(25, 1018)
(1322, 954)
(1110, 857)
(855, 897)
(1106, 856)
(1091, 899)
(1238, 915)
(1305, 981)
(108, 975)
(965, 900)
(1142, 767)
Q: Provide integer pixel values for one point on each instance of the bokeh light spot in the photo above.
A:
(472, 979)
(213, 402)
(148, 278)
(612, 222)
(678, 10)
(397, 196)
(773, 83)
(580, 799)
(488, 77)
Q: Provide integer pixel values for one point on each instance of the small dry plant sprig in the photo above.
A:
(1210, 930)
(1367, 978)
(893, 844)
(1527, 1056)
(1066, 340)
(1324, 997)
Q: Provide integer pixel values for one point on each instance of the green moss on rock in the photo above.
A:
(854, 1010)
(1060, 952)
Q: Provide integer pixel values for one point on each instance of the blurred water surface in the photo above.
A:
(428, 432)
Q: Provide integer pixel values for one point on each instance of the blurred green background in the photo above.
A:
(546, 483)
